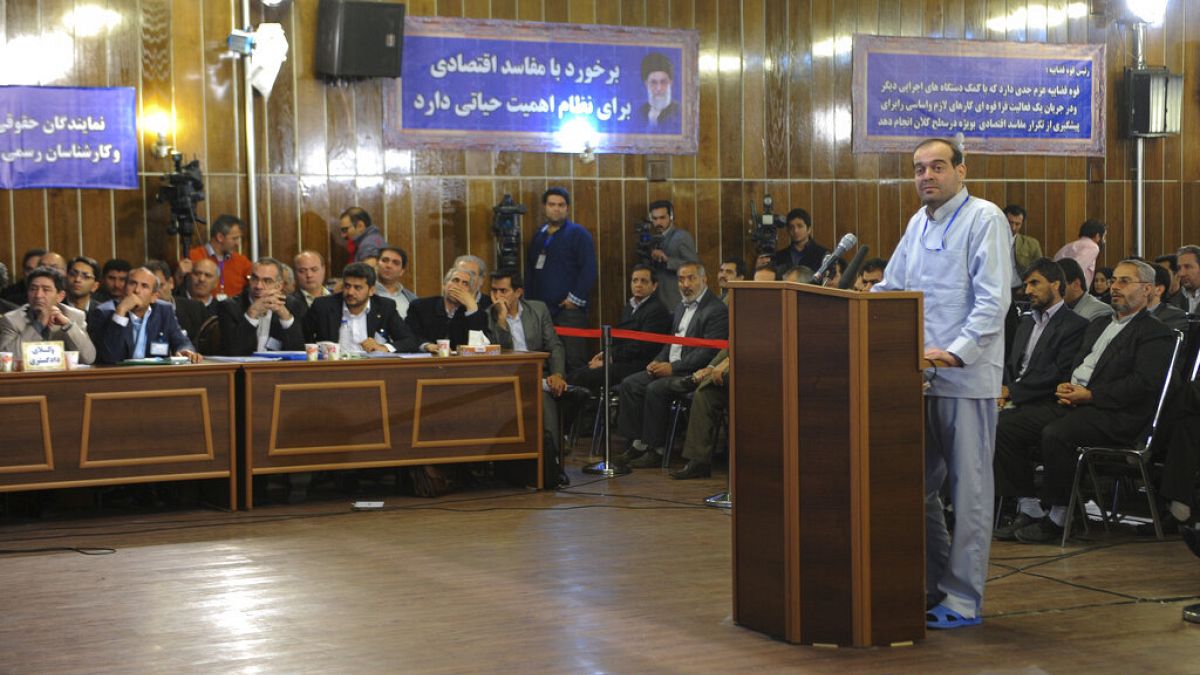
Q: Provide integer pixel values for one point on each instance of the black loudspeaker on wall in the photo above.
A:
(359, 38)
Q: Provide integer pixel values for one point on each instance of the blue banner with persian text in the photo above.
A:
(545, 87)
(1002, 97)
(72, 137)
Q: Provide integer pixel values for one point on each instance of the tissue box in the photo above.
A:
(478, 350)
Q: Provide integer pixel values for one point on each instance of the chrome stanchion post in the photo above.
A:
(606, 468)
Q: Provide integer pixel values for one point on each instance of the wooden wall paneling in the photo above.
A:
(1035, 217)
(842, 123)
(1116, 57)
(529, 193)
(10, 257)
(1154, 228)
(798, 196)
(891, 219)
(130, 228)
(29, 223)
(285, 217)
(311, 143)
(584, 11)
(1190, 214)
(845, 216)
(342, 194)
(341, 143)
(932, 18)
(1190, 122)
(1054, 233)
(503, 9)
(1116, 205)
(449, 7)
(711, 218)
(683, 15)
(1172, 215)
(262, 185)
(588, 212)
(823, 210)
(729, 82)
(316, 218)
(800, 95)
(866, 224)
(369, 194)
(96, 209)
(731, 236)
(709, 152)
(481, 197)
(658, 14)
(427, 233)
(824, 141)
(477, 9)
(1014, 193)
(398, 204)
(1173, 58)
(62, 218)
(368, 127)
(910, 202)
(754, 93)
(776, 104)
(278, 125)
(864, 18)
(610, 253)
(456, 235)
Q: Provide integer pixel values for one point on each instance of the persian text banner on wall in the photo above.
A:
(73, 137)
(543, 87)
(1004, 97)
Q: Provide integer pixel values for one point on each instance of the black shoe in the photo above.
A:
(1009, 532)
(692, 469)
(647, 460)
(1042, 531)
(629, 455)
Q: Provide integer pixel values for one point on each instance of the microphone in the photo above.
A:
(856, 263)
(844, 245)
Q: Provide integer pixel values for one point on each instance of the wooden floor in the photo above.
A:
(625, 576)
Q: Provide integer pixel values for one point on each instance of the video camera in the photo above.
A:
(646, 240)
(506, 226)
(182, 189)
(764, 229)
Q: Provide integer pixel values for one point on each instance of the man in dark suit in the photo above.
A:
(139, 325)
(356, 319)
(192, 316)
(646, 396)
(644, 312)
(1188, 262)
(1043, 351)
(450, 315)
(526, 326)
(1110, 397)
(262, 318)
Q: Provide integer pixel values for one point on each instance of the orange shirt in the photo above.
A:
(232, 271)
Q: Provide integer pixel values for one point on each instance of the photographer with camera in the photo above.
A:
(675, 248)
(804, 252)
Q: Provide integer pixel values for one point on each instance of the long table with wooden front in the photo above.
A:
(315, 416)
(112, 426)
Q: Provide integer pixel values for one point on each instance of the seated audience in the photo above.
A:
(115, 272)
(450, 315)
(224, 242)
(16, 293)
(191, 314)
(138, 325)
(708, 405)
(799, 275)
(46, 317)
(732, 269)
(5, 305)
(201, 285)
(83, 279)
(310, 277)
(263, 318)
(645, 397)
(1100, 284)
(1044, 349)
(1076, 296)
(1178, 483)
(803, 251)
(52, 259)
(1170, 263)
(643, 312)
(1171, 315)
(476, 265)
(525, 326)
(393, 262)
(1188, 261)
(1110, 398)
(1026, 249)
(356, 320)
(870, 274)
(363, 239)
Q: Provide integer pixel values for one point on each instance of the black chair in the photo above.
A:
(1138, 455)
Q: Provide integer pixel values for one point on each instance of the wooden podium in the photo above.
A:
(827, 464)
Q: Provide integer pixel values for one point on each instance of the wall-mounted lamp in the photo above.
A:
(1147, 11)
(159, 124)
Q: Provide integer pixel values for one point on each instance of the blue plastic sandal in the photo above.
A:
(944, 618)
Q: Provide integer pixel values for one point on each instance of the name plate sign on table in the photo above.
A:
(1004, 97)
(72, 137)
(515, 85)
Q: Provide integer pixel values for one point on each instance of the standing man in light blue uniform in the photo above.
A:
(956, 250)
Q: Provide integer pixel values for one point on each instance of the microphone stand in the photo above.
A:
(606, 468)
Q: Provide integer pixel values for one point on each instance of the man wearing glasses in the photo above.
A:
(262, 318)
(83, 278)
(956, 250)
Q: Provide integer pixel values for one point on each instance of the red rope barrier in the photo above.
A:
(644, 337)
